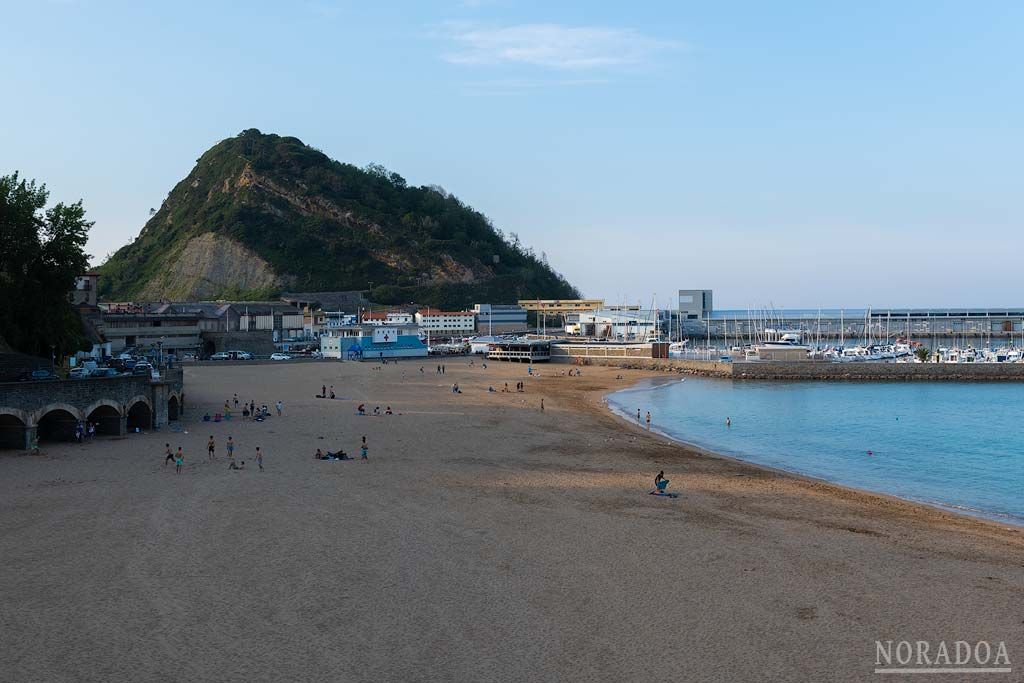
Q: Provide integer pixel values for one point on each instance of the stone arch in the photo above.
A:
(173, 408)
(57, 422)
(13, 423)
(139, 413)
(38, 415)
(106, 415)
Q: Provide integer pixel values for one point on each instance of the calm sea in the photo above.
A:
(957, 445)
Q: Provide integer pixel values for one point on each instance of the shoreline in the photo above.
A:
(992, 517)
(871, 503)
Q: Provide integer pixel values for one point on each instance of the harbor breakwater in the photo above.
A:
(819, 370)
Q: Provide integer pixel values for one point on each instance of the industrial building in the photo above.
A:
(500, 318)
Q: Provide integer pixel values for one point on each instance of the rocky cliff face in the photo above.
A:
(209, 266)
(260, 213)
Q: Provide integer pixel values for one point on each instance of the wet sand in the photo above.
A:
(483, 540)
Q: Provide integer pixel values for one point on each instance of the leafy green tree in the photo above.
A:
(922, 354)
(41, 252)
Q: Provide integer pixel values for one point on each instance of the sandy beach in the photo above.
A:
(484, 539)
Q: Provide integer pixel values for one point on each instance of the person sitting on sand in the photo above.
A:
(319, 455)
(332, 391)
(233, 466)
(376, 410)
(338, 455)
(361, 409)
(490, 390)
(660, 483)
(388, 411)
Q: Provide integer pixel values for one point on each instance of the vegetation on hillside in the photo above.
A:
(323, 225)
(41, 253)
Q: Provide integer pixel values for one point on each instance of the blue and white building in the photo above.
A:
(373, 342)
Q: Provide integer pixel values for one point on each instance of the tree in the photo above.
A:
(922, 354)
(42, 251)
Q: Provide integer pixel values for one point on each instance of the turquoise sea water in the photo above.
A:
(957, 445)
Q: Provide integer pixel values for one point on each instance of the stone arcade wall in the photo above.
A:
(28, 402)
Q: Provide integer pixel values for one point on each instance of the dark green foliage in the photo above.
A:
(41, 253)
(326, 226)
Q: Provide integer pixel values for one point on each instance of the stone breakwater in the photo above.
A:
(810, 370)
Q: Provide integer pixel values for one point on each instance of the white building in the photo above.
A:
(388, 318)
(333, 320)
(446, 323)
(615, 325)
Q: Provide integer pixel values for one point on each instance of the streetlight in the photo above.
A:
(160, 352)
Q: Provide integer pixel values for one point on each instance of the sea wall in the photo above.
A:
(879, 371)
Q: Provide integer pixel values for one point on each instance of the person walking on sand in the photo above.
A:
(231, 449)
(638, 416)
(168, 453)
(259, 458)
(648, 419)
(211, 446)
(542, 405)
(236, 401)
(179, 460)
(363, 450)
(280, 407)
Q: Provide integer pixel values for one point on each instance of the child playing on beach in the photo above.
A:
(210, 446)
(231, 449)
(179, 460)
(259, 458)
(168, 453)
(280, 407)
(233, 466)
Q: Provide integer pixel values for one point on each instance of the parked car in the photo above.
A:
(240, 355)
(104, 372)
(78, 373)
(280, 356)
(220, 355)
(142, 369)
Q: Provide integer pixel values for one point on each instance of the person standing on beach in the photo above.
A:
(259, 458)
(231, 449)
(638, 416)
(179, 460)
(542, 405)
(168, 453)
(323, 391)
(648, 420)
(236, 401)
(211, 445)
(280, 407)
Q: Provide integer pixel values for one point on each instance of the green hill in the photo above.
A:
(262, 213)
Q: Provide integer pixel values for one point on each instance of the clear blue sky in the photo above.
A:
(802, 154)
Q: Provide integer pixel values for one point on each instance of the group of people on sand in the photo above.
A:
(178, 457)
(249, 410)
(340, 454)
(576, 372)
(361, 410)
(323, 392)
(85, 431)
